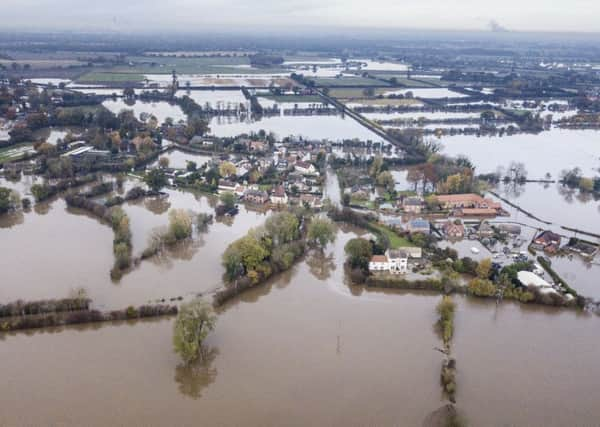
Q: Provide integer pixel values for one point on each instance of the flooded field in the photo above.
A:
(547, 152)
(334, 380)
(334, 128)
(179, 159)
(217, 99)
(161, 109)
(526, 366)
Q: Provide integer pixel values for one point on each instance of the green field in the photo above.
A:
(395, 240)
(196, 65)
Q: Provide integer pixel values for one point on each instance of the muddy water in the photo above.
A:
(526, 366)
(335, 128)
(71, 249)
(179, 159)
(302, 349)
(547, 152)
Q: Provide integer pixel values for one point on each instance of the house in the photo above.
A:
(398, 261)
(394, 261)
(226, 186)
(379, 263)
(305, 168)
(412, 204)
(510, 228)
(418, 226)
(468, 201)
(546, 238)
(253, 146)
(313, 202)
(256, 196)
(412, 251)
(278, 196)
(454, 230)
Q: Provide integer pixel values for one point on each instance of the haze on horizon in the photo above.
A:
(233, 15)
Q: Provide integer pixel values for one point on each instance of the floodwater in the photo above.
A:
(161, 109)
(547, 152)
(427, 115)
(179, 159)
(218, 99)
(557, 204)
(335, 128)
(304, 348)
(84, 256)
(526, 366)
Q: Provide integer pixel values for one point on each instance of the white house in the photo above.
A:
(305, 168)
(379, 263)
(394, 261)
(278, 196)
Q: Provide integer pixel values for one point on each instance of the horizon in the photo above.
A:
(139, 16)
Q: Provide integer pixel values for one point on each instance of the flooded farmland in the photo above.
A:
(331, 127)
(160, 109)
(546, 152)
(334, 380)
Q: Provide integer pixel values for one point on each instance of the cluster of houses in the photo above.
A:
(300, 179)
(471, 205)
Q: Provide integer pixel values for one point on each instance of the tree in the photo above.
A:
(376, 166)
(586, 184)
(282, 227)
(155, 179)
(321, 231)
(180, 224)
(386, 180)
(191, 166)
(9, 199)
(227, 169)
(359, 252)
(245, 254)
(163, 162)
(484, 268)
(194, 322)
(228, 199)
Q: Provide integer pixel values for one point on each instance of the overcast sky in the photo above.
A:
(190, 15)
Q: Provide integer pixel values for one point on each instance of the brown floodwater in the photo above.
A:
(305, 348)
(526, 366)
(301, 349)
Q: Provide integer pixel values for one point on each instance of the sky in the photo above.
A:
(202, 15)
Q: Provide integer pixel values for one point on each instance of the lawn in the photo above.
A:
(396, 241)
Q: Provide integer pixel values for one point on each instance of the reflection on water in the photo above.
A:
(195, 377)
(320, 265)
(334, 128)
